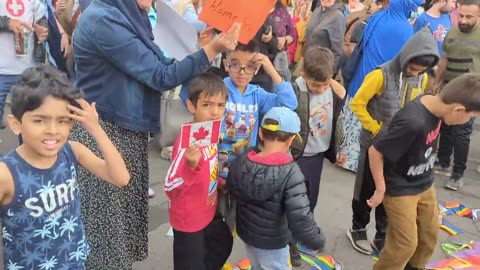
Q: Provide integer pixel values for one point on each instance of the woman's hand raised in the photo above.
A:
(226, 41)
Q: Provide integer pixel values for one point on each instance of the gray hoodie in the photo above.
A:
(327, 29)
(399, 90)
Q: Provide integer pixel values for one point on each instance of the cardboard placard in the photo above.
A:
(221, 14)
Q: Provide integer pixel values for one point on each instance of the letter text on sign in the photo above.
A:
(221, 14)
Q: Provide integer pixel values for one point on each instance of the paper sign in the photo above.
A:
(203, 133)
(221, 14)
(175, 36)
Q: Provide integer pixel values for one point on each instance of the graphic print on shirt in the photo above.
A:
(237, 133)
(16, 8)
(429, 155)
(440, 33)
(210, 155)
(319, 118)
(42, 227)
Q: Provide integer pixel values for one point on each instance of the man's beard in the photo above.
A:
(466, 28)
(444, 11)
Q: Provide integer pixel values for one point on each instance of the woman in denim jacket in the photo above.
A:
(121, 70)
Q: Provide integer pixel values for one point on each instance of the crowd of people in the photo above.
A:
(377, 87)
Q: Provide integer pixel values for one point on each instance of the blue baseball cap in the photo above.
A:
(287, 119)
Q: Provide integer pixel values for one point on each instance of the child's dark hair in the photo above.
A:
(424, 60)
(36, 84)
(463, 90)
(269, 135)
(318, 64)
(251, 47)
(209, 84)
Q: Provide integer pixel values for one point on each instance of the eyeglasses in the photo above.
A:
(238, 68)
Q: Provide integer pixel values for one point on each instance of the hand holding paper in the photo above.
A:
(226, 41)
(192, 156)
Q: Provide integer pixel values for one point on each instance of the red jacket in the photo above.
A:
(192, 192)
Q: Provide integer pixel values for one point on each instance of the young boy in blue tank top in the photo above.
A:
(39, 198)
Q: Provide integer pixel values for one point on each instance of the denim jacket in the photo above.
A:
(121, 74)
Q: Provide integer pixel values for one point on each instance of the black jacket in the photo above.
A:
(271, 202)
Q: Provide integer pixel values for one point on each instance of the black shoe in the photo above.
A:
(378, 244)
(295, 256)
(359, 241)
(409, 267)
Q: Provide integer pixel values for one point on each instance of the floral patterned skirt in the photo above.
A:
(116, 219)
(350, 144)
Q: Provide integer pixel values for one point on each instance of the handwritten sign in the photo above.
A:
(203, 134)
(221, 14)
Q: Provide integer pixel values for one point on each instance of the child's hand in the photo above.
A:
(376, 199)
(193, 155)
(87, 115)
(263, 61)
(341, 159)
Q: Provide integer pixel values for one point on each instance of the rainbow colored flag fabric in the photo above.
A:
(449, 228)
(318, 262)
(458, 209)
(465, 259)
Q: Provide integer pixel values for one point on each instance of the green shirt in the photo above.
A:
(463, 52)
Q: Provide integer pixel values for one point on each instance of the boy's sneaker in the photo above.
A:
(151, 193)
(454, 183)
(439, 169)
(167, 153)
(359, 241)
(378, 244)
(295, 256)
(478, 169)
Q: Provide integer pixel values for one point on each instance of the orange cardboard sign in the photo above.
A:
(221, 14)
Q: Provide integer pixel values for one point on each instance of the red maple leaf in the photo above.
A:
(200, 134)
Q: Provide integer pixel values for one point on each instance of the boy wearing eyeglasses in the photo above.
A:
(247, 102)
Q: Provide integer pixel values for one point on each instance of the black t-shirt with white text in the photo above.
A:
(408, 150)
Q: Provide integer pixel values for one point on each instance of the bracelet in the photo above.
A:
(63, 33)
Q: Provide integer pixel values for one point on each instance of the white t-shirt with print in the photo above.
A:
(23, 10)
(320, 123)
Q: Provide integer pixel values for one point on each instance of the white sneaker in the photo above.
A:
(167, 153)
(151, 193)
(478, 169)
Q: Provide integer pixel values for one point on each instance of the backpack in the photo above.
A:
(350, 66)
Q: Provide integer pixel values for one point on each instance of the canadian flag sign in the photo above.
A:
(202, 134)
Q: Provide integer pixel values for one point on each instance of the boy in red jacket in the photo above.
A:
(191, 186)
